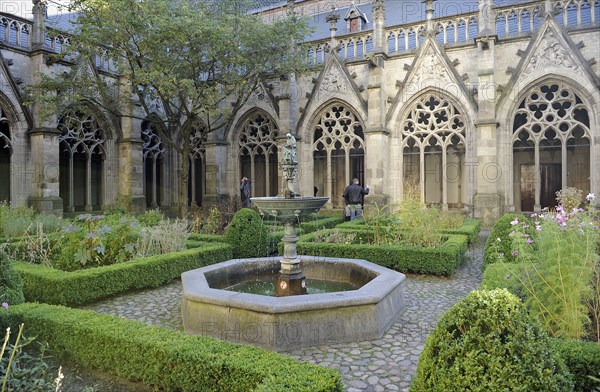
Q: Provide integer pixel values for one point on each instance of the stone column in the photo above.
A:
(488, 179)
(376, 135)
(215, 164)
(131, 159)
(44, 137)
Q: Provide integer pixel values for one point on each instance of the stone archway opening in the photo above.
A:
(550, 146)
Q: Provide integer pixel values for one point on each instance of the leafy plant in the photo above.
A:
(22, 371)
(151, 218)
(562, 259)
(11, 286)
(569, 198)
(335, 236)
(162, 238)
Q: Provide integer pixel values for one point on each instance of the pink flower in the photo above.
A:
(529, 241)
(5, 305)
(538, 228)
(515, 253)
(515, 221)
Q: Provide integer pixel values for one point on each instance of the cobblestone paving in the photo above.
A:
(387, 364)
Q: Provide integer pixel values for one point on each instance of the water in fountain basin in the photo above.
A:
(267, 287)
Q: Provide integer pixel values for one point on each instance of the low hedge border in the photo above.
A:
(582, 358)
(470, 228)
(165, 359)
(321, 223)
(442, 260)
(52, 286)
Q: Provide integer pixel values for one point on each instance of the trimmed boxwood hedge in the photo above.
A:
(48, 285)
(442, 260)
(321, 223)
(165, 359)
(583, 361)
(470, 228)
(501, 229)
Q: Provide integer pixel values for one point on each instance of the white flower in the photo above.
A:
(590, 197)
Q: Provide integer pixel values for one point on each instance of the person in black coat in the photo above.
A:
(354, 194)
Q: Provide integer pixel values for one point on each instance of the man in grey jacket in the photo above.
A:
(354, 194)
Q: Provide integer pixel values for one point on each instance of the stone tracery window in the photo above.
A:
(257, 150)
(338, 151)
(196, 168)
(82, 153)
(5, 154)
(153, 151)
(551, 145)
(434, 145)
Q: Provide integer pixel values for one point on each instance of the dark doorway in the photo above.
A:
(551, 183)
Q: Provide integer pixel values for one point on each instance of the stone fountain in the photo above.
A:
(289, 210)
(289, 320)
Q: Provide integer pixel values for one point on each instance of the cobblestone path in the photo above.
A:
(387, 364)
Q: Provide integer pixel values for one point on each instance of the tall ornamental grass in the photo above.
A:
(560, 277)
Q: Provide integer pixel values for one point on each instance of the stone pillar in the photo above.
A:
(131, 159)
(215, 162)
(489, 177)
(376, 135)
(43, 137)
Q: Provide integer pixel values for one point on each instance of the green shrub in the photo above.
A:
(14, 221)
(498, 247)
(11, 286)
(151, 218)
(319, 223)
(504, 276)
(583, 361)
(168, 360)
(470, 227)
(247, 234)
(44, 284)
(442, 260)
(488, 342)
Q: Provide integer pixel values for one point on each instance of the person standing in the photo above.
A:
(353, 194)
(245, 191)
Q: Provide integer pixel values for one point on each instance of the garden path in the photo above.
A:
(386, 364)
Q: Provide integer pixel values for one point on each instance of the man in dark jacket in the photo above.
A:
(354, 194)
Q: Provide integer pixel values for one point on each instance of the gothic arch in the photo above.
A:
(338, 149)
(6, 148)
(435, 133)
(82, 158)
(153, 154)
(256, 148)
(197, 166)
(550, 130)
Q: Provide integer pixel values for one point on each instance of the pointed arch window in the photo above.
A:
(338, 151)
(5, 154)
(258, 153)
(81, 161)
(434, 147)
(197, 158)
(153, 152)
(550, 144)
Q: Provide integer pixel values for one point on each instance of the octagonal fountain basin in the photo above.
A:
(287, 323)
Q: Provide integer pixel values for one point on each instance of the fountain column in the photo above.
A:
(291, 280)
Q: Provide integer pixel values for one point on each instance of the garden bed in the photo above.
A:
(52, 286)
(164, 359)
(470, 228)
(441, 260)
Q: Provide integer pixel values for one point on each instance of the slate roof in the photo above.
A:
(397, 12)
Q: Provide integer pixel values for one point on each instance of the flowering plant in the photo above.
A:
(560, 258)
